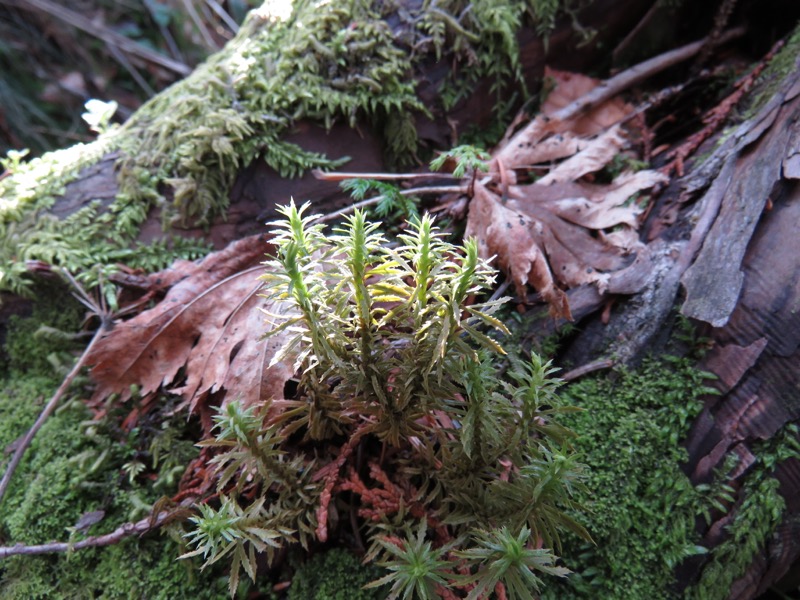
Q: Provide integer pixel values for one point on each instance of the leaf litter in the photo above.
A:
(558, 232)
(205, 336)
(561, 231)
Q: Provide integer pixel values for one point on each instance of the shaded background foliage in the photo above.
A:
(54, 56)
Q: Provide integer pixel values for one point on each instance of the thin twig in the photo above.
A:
(607, 90)
(168, 38)
(446, 189)
(636, 74)
(501, 289)
(120, 57)
(343, 176)
(591, 367)
(128, 529)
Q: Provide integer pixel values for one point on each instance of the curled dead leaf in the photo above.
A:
(206, 335)
(561, 231)
(516, 242)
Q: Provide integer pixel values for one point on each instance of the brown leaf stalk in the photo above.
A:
(126, 530)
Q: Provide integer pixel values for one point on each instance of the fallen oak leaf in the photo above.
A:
(570, 87)
(528, 147)
(208, 324)
(594, 155)
(508, 235)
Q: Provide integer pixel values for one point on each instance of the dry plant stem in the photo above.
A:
(222, 14)
(638, 73)
(591, 367)
(343, 176)
(120, 57)
(209, 41)
(104, 33)
(446, 189)
(633, 33)
(128, 529)
(331, 476)
(48, 410)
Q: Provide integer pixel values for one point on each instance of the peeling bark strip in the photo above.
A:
(718, 265)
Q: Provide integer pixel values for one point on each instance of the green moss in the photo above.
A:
(135, 568)
(21, 400)
(335, 575)
(329, 62)
(641, 507)
(38, 344)
(755, 521)
(73, 466)
(48, 492)
(782, 64)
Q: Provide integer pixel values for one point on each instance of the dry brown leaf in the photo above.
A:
(555, 234)
(543, 234)
(516, 241)
(571, 86)
(594, 206)
(208, 328)
(595, 155)
(547, 138)
(523, 150)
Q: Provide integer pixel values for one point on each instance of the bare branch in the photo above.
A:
(126, 530)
